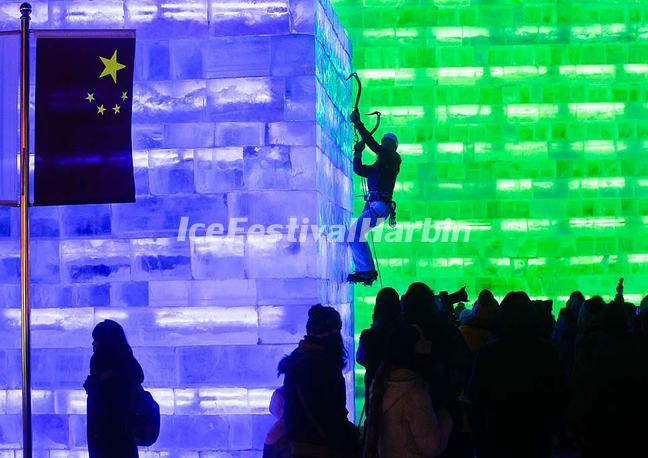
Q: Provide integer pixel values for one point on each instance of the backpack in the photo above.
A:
(146, 419)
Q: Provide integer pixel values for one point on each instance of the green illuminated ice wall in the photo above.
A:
(524, 122)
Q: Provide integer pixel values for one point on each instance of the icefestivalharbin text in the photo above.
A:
(427, 230)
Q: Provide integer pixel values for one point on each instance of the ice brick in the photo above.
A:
(168, 293)
(228, 293)
(186, 59)
(268, 258)
(300, 99)
(267, 167)
(273, 207)
(245, 99)
(218, 257)
(233, 17)
(218, 169)
(239, 56)
(229, 365)
(293, 55)
(95, 260)
(239, 133)
(300, 133)
(282, 324)
(171, 171)
(85, 220)
(163, 216)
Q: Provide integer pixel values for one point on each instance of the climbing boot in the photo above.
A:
(366, 278)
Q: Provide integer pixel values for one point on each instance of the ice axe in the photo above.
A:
(357, 100)
(359, 93)
(355, 76)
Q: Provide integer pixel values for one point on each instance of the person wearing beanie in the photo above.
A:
(381, 180)
(480, 327)
(315, 392)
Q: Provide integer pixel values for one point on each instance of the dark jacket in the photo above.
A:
(607, 412)
(315, 393)
(445, 369)
(111, 386)
(518, 393)
(564, 337)
(371, 352)
(381, 175)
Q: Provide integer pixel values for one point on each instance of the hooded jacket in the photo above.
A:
(409, 427)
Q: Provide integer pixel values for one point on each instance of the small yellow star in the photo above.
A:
(100, 109)
(124, 95)
(111, 67)
(116, 108)
(90, 97)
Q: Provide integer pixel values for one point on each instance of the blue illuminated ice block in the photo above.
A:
(239, 111)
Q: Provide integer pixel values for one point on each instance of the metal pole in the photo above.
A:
(25, 11)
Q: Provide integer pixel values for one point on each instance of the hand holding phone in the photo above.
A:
(458, 296)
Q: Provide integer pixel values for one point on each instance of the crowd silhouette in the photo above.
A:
(498, 380)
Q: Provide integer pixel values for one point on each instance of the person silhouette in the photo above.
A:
(381, 180)
(115, 376)
(315, 392)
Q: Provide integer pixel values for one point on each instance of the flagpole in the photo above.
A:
(25, 10)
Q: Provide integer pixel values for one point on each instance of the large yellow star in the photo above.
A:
(111, 66)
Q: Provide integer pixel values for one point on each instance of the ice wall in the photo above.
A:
(522, 123)
(238, 113)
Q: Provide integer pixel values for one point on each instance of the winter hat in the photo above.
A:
(591, 313)
(465, 315)
(486, 306)
(323, 321)
(518, 315)
(392, 137)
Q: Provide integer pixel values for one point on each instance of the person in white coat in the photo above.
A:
(402, 422)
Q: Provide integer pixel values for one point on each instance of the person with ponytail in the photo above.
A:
(315, 392)
(375, 340)
(115, 376)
